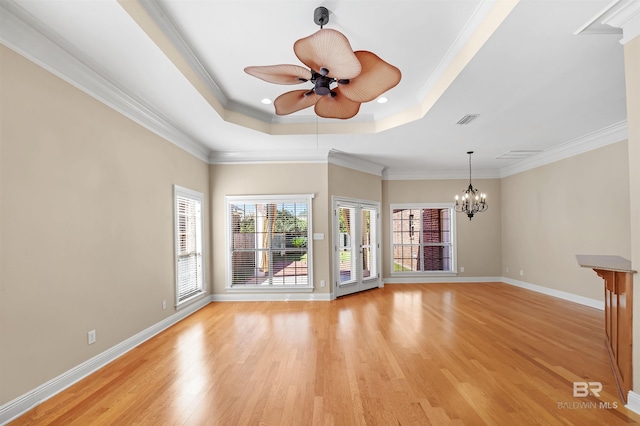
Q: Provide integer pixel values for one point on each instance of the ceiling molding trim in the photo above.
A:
(168, 28)
(161, 18)
(598, 139)
(155, 22)
(481, 12)
(22, 33)
(620, 16)
(330, 156)
(269, 157)
(625, 15)
(350, 161)
(402, 174)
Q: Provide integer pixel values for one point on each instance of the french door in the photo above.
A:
(356, 245)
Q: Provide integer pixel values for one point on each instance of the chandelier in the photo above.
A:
(473, 201)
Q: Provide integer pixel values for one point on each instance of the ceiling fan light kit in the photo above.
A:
(342, 79)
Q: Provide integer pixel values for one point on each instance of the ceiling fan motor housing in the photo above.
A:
(321, 16)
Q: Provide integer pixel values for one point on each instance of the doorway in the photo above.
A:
(356, 241)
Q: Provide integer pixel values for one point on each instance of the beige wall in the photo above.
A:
(345, 182)
(269, 179)
(478, 240)
(87, 225)
(579, 205)
(632, 76)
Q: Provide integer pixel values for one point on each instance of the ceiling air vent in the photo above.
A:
(467, 119)
(519, 154)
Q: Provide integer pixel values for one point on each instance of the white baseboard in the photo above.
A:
(633, 402)
(270, 297)
(441, 279)
(598, 304)
(533, 287)
(24, 403)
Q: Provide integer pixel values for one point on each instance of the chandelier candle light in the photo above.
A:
(473, 201)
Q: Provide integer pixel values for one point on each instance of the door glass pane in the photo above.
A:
(346, 244)
(369, 243)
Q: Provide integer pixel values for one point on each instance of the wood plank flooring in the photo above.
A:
(460, 354)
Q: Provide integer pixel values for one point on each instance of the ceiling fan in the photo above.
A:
(356, 77)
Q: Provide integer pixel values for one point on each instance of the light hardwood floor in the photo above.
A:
(472, 354)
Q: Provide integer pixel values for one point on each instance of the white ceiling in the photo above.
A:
(177, 68)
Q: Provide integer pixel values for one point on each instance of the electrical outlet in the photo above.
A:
(521, 272)
(462, 269)
(91, 337)
(507, 269)
(321, 283)
(164, 304)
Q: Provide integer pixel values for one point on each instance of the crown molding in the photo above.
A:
(330, 156)
(485, 19)
(625, 15)
(479, 15)
(621, 16)
(418, 174)
(160, 16)
(166, 25)
(598, 139)
(270, 157)
(22, 33)
(350, 161)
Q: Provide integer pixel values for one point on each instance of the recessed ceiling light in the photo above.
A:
(382, 99)
(266, 101)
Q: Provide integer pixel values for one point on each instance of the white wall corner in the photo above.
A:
(633, 402)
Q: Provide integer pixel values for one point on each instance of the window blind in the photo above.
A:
(269, 242)
(189, 271)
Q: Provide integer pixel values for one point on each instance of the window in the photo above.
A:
(423, 239)
(269, 242)
(189, 256)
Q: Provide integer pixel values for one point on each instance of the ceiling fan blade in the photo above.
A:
(377, 77)
(293, 101)
(338, 106)
(280, 74)
(328, 49)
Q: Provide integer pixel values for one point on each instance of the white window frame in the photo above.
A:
(198, 197)
(454, 241)
(269, 199)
